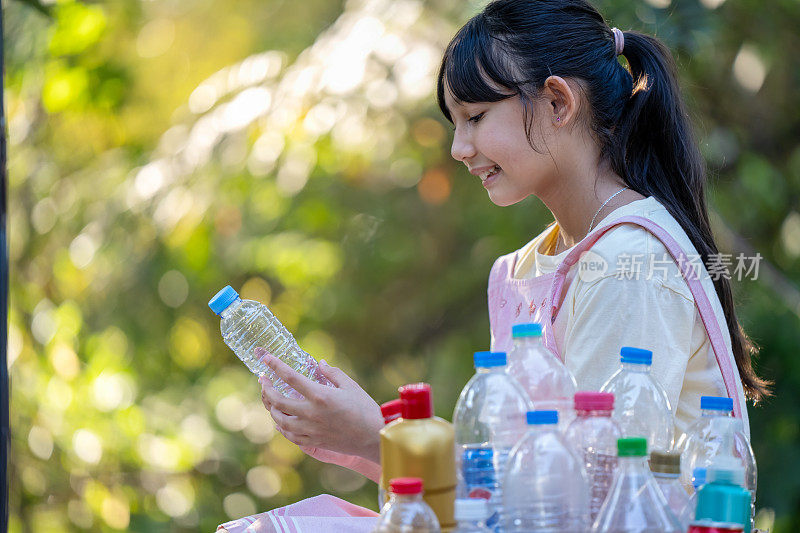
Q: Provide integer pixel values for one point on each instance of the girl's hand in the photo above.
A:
(342, 419)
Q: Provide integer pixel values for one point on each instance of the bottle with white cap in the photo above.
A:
(471, 515)
(251, 330)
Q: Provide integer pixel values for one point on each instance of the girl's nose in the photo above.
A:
(462, 147)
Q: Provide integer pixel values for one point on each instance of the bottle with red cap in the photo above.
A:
(391, 410)
(406, 511)
(422, 445)
(594, 434)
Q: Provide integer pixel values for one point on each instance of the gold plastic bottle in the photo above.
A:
(422, 445)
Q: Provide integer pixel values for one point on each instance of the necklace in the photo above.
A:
(591, 224)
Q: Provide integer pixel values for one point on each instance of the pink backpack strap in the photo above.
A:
(690, 275)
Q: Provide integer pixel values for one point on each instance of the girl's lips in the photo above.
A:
(491, 179)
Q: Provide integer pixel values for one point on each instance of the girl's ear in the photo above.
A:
(562, 100)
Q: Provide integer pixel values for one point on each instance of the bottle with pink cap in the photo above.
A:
(594, 434)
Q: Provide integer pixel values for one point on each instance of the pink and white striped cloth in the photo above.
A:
(320, 514)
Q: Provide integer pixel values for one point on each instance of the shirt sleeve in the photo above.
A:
(612, 312)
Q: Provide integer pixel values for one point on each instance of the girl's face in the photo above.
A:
(493, 134)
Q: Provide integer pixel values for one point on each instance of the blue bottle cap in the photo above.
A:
(526, 330)
(537, 418)
(698, 477)
(636, 356)
(716, 403)
(489, 359)
(223, 299)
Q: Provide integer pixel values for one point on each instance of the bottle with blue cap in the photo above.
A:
(489, 419)
(687, 515)
(545, 487)
(635, 504)
(548, 382)
(703, 442)
(251, 330)
(641, 406)
(723, 503)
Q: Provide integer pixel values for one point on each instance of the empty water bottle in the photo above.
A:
(548, 382)
(545, 487)
(471, 515)
(641, 406)
(489, 419)
(251, 330)
(594, 435)
(687, 516)
(666, 468)
(635, 504)
(406, 511)
(704, 441)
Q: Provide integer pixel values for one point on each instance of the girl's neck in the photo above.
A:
(574, 202)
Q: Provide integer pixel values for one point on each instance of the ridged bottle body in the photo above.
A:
(489, 419)
(247, 325)
(544, 489)
(594, 435)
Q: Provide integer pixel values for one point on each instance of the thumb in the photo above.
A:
(334, 375)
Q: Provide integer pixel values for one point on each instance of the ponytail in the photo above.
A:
(654, 150)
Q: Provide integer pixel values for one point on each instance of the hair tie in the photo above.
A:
(619, 40)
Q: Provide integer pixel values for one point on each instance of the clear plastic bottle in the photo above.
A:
(594, 435)
(666, 468)
(703, 442)
(687, 516)
(641, 405)
(548, 382)
(251, 330)
(545, 487)
(471, 515)
(489, 419)
(635, 504)
(406, 511)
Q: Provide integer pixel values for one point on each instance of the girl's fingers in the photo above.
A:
(285, 421)
(278, 400)
(298, 382)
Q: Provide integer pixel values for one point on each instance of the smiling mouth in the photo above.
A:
(489, 173)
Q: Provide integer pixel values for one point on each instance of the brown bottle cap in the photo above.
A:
(665, 462)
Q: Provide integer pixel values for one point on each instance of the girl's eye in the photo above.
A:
(476, 118)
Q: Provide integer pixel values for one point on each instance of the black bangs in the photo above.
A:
(473, 56)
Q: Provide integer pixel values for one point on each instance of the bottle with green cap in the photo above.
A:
(666, 468)
(251, 330)
(635, 504)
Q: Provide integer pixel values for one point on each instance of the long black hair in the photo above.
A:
(636, 112)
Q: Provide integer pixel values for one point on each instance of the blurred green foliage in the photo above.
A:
(162, 149)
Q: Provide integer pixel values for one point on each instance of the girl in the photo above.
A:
(541, 105)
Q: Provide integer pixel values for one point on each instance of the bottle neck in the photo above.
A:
(593, 413)
(635, 464)
(405, 498)
(490, 370)
(228, 311)
(715, 413)
(527, 342)
(637, 368)
(665, 475)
